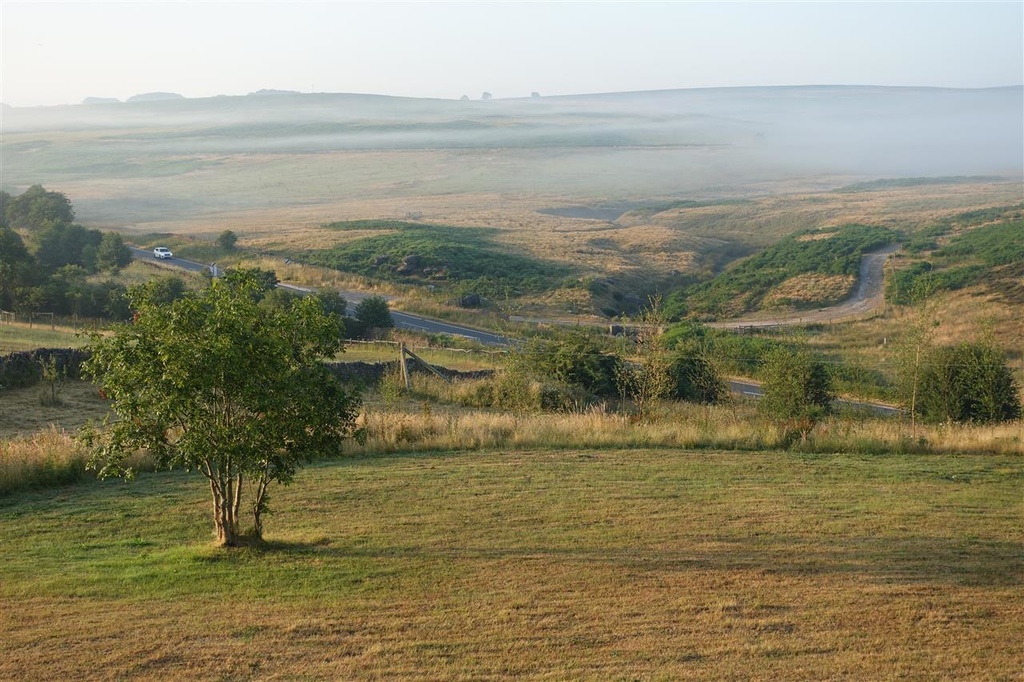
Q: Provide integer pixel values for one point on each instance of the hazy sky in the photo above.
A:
(61, 52)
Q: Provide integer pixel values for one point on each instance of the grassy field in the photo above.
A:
(582, 564)
(15, 336)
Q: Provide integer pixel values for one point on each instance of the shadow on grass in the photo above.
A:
(887, 560)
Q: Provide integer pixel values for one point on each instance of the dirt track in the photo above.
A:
(869, 297)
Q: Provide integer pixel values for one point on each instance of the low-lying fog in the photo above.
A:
(740, 134)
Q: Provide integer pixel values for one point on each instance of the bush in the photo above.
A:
(695, 380)
(796, 387)
(968, 382)
(575, 360)
(227, 240)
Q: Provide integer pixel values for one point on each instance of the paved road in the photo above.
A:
(869, 297)
(402, 320)
(752, 389)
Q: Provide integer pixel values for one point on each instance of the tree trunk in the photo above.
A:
(225, 508)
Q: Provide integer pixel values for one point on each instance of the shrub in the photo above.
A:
(575, 360)
(797, 390)
(968, 382)
(695, 379)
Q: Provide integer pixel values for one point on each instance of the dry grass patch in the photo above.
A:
(810, 288)
(22, 413)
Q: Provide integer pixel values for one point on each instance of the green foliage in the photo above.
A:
(164, 290)
(373, 313)
(647, 379)
(695, 379)
(459, 257)
(264, 280)
(985, 254)
(217, 383)
(63, 244)
(576, 359)
(52, 376)
(796, 388)
(36, 209)
(331, 302)
(55, 276)
(742, 288)
(968, 382)
(112, 253)
(227, 240)
(17, 268)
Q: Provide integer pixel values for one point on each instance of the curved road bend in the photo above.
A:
(402, 320)
(868, 297)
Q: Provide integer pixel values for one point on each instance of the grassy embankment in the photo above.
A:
(537, 564)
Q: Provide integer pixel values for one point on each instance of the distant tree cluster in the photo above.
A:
(54, 267)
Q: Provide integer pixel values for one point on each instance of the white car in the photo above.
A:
(162, 252)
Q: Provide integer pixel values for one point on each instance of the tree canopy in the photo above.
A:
(215, 382)
(374, 312)
(37, 208)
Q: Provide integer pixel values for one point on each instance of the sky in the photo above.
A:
(61, 52)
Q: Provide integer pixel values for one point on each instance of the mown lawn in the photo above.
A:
(604, 564)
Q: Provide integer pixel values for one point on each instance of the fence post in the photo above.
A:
(405, 367)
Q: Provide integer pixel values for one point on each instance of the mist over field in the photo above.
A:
(148, 160)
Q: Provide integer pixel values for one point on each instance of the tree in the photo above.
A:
(797, 389)
(373, 312)
(968, 382)
(266, 280)
(163, 291)
(37, 208)
(912, 351)
(5, 199)
(16, 267)
(63, 244)
(331, 301)
(646, 380)
(227, 240)
(112, 253)
(216, 383)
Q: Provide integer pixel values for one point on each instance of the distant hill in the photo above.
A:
(154, 97)
(265, 92)
(101, 100)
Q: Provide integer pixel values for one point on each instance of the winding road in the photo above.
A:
(868, 297)
(402, 320)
